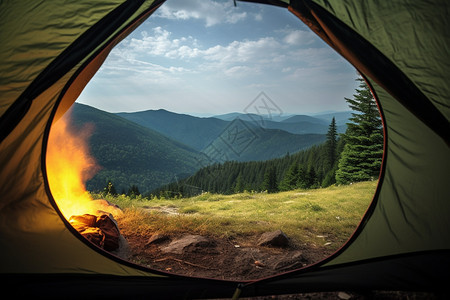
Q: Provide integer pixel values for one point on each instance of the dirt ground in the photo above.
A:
(238, 259)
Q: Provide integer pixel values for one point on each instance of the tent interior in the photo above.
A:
(49, 53)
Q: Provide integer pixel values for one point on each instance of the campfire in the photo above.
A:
(69, 166)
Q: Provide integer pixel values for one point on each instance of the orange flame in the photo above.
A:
(69, 166)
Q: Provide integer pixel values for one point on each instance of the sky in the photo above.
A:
(209, 57)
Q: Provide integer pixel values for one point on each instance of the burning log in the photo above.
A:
(100, 230)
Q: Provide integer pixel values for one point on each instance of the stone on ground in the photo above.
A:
(157, 239)
(188, 242)
(275, 239)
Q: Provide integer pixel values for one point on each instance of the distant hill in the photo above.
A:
(340, 117)
(302, 127)
(297, 124)
(244, 141)
(193, 131)
(305, 118)
(251, 117)
(263, 141)
(321, 118)
(130, 154)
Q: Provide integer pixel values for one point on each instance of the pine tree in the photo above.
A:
(290, 180)
(270, 181)
(361, 158)
(331, 145)
(330, 152)
(312, 179)
(239, 185)
(303, 179)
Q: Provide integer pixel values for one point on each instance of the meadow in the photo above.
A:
(322, 218)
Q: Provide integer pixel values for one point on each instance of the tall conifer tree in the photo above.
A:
(239, 185)
(290, 180)
(361, 157)
(331, 155)
(270, 183)
(331, 144)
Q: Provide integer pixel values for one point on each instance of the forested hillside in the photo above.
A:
(132, 155)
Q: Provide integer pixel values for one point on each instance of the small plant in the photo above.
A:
(316, 207)
(225, 207)
(189, 210)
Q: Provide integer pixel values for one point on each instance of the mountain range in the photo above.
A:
(198, 132)
(154, 147)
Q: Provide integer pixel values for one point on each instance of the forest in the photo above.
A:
(309, 168)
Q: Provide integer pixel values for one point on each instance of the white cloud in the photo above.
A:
(258, 17)
(299, 37)
(141, 73)
(238, 59)
(157, 60)
(240, 71)
(160, 44)
(211, 12)
(315, 57)
(243, 51)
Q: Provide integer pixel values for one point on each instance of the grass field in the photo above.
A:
(319, 217)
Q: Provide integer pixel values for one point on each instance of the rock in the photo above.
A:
(157, 239)
(344, 296)
(275, 239)
(188, 242)
(291, 260)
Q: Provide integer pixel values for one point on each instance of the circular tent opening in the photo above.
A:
(241, 192)
(402, 242)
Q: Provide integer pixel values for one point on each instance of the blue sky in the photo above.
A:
(209, 57)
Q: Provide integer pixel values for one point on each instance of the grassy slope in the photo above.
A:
(316, 218)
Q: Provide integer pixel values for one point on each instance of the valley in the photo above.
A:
(152, 148)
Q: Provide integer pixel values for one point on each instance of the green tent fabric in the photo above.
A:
(49, 51)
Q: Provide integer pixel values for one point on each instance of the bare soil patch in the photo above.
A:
(229, 259)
